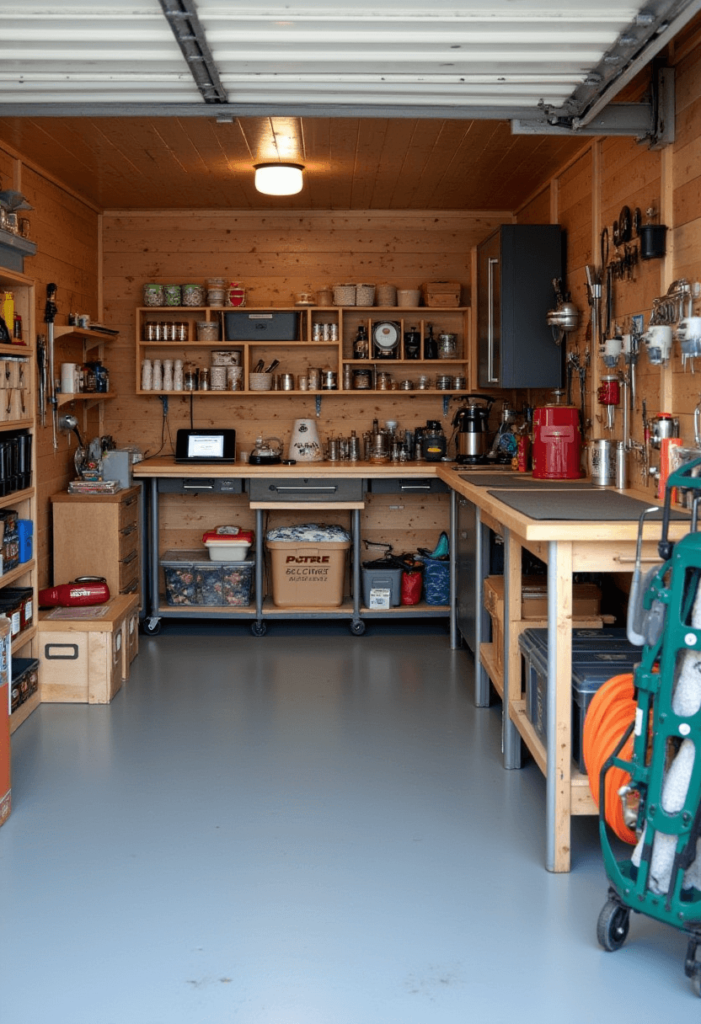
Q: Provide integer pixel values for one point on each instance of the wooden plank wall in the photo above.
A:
(65, 229)
(275, 257)
(587, 195)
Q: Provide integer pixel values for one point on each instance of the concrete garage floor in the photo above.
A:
(309, 828)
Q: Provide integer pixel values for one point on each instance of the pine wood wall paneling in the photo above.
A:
(65, 230)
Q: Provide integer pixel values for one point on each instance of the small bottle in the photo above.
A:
(360, 345)
(17, 327)
(430, 344)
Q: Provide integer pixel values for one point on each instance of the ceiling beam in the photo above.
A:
(184, 21)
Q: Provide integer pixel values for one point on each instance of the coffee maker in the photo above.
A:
(472, 438)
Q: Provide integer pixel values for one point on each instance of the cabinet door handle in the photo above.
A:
(305, 490)
(491, 264)
(130, 501)
(130, 558)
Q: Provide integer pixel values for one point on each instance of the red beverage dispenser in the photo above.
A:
(557, 443)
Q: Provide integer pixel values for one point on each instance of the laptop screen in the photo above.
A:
(206, 445)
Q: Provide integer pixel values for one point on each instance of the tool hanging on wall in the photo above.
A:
(41, 369)
(49, 317)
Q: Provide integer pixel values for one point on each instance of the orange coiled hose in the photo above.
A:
(611, 711)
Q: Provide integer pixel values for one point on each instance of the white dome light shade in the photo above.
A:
(279, 179)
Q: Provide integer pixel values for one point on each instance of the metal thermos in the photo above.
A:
(600, 462)
(621, 466)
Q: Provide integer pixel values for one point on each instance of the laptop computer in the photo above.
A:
(207, 444)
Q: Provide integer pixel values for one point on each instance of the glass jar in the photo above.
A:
(154, 295)
(151, 331)
(447, 346)
(207, 330)
(193, 295)
(173, 295)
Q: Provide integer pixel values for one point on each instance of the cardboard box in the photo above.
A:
(81, 651)
(441, 294)
(307, 575)
(586, 597)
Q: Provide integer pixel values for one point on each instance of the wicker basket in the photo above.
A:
(260, 381)
(386, 295)
(364, 294)
(344, 294)
(409, 297)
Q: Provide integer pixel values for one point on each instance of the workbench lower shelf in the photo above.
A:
(346, 610)
(581, 800)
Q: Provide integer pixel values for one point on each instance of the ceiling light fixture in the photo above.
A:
(279, 179)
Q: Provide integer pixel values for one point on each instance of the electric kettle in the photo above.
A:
(471, 421)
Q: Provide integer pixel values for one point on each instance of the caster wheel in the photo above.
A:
(357, 628)
(696, 983)
(612, 926)
(259, 629)
(151, 626)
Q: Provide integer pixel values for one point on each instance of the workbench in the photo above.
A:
(309, 487)
(567, 546)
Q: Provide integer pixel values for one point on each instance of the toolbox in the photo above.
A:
(240, 325)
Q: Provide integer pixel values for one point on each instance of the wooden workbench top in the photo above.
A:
(166, 466)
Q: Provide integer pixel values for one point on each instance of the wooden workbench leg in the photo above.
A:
(510, 738)
(482, 684)
(559, 707)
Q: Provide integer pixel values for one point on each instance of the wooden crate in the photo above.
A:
(441, 294)
(85, 660)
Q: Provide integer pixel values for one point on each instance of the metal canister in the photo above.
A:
(600, 463)
(621, 466)
(286, 382)
(314, 374)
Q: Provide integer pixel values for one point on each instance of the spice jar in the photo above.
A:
(447, 346)
(207, 330)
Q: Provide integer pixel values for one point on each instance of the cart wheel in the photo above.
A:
(259, 628)
(612, 926)
(151, 626)
(696, 983)
(357, 628)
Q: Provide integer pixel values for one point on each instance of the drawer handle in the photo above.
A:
(198, 487)
(128, 529)
(63, 652)
(416, 487)
(307, 490)
(129, 558)
(130, 590)
(130, 501)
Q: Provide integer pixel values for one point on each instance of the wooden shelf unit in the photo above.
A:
(24, 501)
(89, 341)
(297, 356)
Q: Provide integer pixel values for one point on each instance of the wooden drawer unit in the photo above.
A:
(98, 535)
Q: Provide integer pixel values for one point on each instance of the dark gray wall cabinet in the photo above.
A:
(515, 271)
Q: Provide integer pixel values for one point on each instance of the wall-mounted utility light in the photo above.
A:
(279, 179)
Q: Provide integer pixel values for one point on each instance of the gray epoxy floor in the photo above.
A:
(301, 830)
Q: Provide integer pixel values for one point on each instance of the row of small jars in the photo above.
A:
(178, 330)
(216, 292)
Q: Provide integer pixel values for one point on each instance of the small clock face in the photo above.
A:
(385, 335)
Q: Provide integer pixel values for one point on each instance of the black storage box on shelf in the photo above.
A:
(597, 655)
(15, 462)
(244, 325)
(25, 680)
(25, 596)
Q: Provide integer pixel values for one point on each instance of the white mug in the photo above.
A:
(689, 327)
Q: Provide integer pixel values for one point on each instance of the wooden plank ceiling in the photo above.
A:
(351, 163)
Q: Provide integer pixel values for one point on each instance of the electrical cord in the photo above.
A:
(611, 712)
